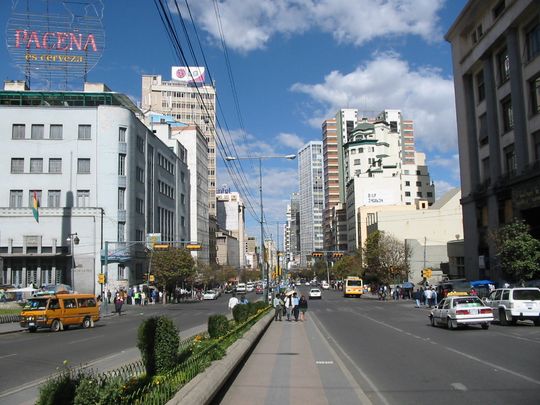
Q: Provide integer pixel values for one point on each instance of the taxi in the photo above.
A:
(461, 309)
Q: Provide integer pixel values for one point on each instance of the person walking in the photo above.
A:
(296, 310)
(233, 301)
(278, 308)
(302, 305)
(289, 306)
(417, 298)
(118, 302)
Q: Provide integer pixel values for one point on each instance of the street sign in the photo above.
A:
(101, 278)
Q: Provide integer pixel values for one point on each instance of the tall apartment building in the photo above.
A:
(311, 197)
(292, 241)
(97, 172)
(190, 145)
(188, 103)
(252, 256)
(231, 216)
(496, 62)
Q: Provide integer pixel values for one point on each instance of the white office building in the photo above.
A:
(231, 216)
(311, 199)
(101, 178)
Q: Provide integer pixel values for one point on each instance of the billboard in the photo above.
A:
(57, 39)
(187, 74)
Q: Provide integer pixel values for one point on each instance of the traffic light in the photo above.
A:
(101, 278)
(426, 273)
(337, 255)
(152, 278)
(317, 254)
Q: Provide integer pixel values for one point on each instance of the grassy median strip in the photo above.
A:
(156, 378)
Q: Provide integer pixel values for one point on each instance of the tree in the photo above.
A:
(386, 257)
(350, 265)
(171, 267)
(518, 251)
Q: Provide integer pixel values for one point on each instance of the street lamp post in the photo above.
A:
(73, 240)
(261, 221)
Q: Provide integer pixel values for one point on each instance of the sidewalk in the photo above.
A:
(293, 363)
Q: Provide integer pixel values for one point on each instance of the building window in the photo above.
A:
(139, 206)
(83, 198)
(15, 198)
(507, 115)
(85, 132)
(357, 162)
(407, 183)
(498, 9)
(503, 66)
(393, 126)
(55, 165)
(407, 193)
(121, 272)
(139, 234)
(56, 132)
(182, 177)
(534, 89)
(536, 140)
(121, 198)
(36, 165)
(140, 144)
(17, 165)
(480, 86)
(182, 199)
(83, 166)
(122, 134)
(37, 131)
(418, 184)
(510, 159)
(121, 164)
(121, 231)
(419, 194)
(18, 131)
(430, 194)
(140, 174)
(53, 199)
(532, 41)
(482, 130)
(31, 197)
(485, 169)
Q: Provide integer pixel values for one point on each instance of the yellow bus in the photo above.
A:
(353, 287)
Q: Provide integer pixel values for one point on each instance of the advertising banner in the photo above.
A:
(188, 74)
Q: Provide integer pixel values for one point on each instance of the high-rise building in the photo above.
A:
(311, 196)
(97, 175)
(496, 60)
(292, 241)
(188, 102)
(231, 216)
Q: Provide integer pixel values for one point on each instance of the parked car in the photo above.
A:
(258, 289)
(513, 304)
(210, 295)
(457, 310)
(325, 285)
(229, 290)
(250, 287)
(315, 293)
(241, 288)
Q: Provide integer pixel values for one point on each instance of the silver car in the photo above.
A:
(513, 304)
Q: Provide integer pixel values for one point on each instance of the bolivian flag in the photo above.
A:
(35, 207)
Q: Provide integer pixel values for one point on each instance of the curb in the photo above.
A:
(205, 386)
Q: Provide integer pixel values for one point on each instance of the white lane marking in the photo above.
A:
(8, 355)
(362, 397)
(459, 386)
(468, 356)
(324, 362)
(84, 340)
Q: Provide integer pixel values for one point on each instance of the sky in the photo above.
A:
(294, 63)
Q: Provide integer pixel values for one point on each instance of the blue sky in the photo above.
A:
(295, 63)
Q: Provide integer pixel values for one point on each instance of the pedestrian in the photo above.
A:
(143, 298)
(302, 305)
(278, 308)
(233, 301)
(289, 306)
(417, 298)
(296, 310)
(428, 293)
(118, 302)
(109, 295)
(434, 300)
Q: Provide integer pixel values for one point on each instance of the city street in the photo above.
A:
(396, 357)
(28, 358)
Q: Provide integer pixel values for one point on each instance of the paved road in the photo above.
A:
(398, 358)
(29, 357)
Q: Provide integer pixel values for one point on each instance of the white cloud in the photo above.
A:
(291, 140)
(449, 163)
(250, 24)
(389, 82)
(442, 187)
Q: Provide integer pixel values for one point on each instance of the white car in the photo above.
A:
(315, 293)
(240, 288)
(513, 304)
(457, 310)
(325, 285)
(210, 295)
(250, 287)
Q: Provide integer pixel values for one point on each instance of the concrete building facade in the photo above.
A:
(496, 63)
(231, 216)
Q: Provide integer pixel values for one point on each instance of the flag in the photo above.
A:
(35, 207)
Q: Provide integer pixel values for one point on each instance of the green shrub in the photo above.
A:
(59, 389)
(87, 392)
(111, 392)
(240, 313)
(146, 342)
(166, 344)
(260, 305)
(218, 325)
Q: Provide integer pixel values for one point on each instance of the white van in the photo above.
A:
(250, 287)
(241, 288)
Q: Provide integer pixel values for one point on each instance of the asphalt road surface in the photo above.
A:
(397, 357)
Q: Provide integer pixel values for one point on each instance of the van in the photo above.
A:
(241, 288)
(59, 312)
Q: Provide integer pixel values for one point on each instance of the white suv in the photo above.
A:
(513, 304)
